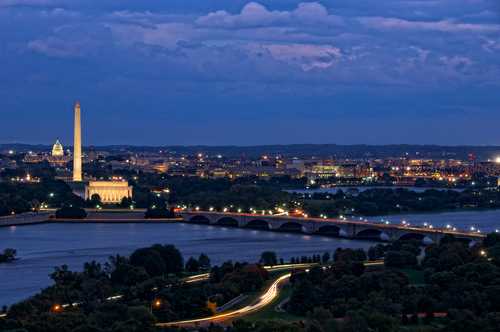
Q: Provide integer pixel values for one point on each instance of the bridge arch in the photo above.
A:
(199, 219)
(227, 222)
(258, 224)
(291, 226)
(330, 230)
(412, 236)
(369, 234)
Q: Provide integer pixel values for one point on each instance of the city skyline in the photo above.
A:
(251, 73)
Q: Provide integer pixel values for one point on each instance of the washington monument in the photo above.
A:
(77, 153)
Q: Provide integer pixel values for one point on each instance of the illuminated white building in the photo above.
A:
(57, 150)
(110, 192)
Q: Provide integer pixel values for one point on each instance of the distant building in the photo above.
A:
(57, 150)
(109, 191)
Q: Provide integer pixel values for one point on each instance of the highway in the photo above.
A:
(266, 298)
(198, 278)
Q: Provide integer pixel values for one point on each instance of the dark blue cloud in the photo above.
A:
(188, 72)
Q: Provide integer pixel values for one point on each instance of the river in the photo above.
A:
(42, 247)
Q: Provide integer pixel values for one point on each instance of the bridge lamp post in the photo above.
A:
(211, 209)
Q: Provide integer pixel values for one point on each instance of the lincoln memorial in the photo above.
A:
(109, 191)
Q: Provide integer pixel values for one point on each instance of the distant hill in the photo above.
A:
(301, 150)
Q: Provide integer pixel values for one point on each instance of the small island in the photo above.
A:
(8, 255)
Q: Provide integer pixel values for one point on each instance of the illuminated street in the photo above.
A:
(265, 299)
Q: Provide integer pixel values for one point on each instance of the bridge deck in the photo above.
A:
(337, 221)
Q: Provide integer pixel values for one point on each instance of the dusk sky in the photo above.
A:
(233, 72)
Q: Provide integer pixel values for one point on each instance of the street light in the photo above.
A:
(156, 304)
(56, 308)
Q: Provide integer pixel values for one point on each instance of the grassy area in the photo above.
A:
(416, 276)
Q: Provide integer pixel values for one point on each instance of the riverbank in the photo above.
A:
(94, 216)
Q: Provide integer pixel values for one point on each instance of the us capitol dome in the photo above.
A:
(57, 150)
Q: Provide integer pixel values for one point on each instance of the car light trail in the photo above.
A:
(271, 293)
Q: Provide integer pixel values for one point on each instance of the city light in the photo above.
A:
(56, 308)
(157, 303)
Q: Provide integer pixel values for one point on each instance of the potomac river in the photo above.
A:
(44, 246)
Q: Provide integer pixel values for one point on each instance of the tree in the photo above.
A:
(325, 258)
(192, 265)
(269, 258)
(172, 257)
(95, 200)
(159, 213)
(150, 259)
(8, 255)
(126, 202)
(71, 212)
(400, 259)
(204, 262)
(491, 240)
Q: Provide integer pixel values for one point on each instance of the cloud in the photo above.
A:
(305, 56)
(263, 45)
(256, 15)
(34, 3)
(395, 24)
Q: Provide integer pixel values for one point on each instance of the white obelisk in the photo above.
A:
(77, 153)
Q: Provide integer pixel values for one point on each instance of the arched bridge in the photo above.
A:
(329, 227)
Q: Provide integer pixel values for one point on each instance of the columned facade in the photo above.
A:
(110, 192)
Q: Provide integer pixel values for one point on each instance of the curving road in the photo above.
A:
(266, 298)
